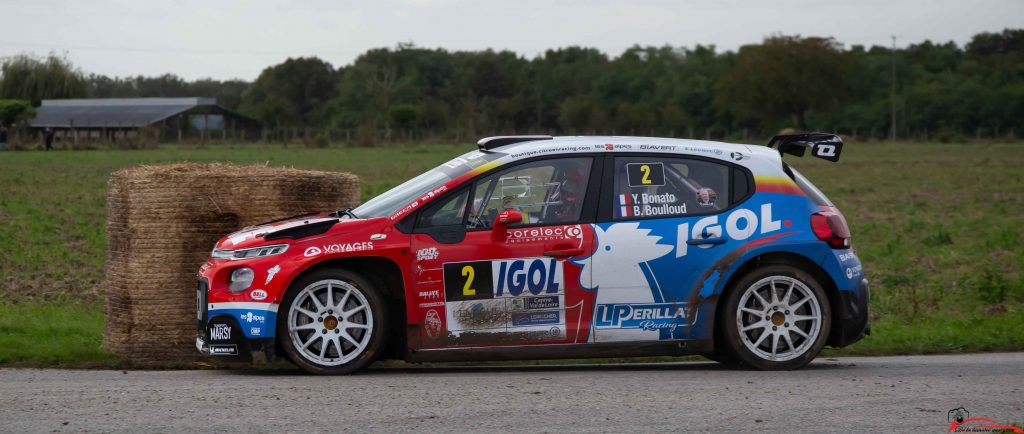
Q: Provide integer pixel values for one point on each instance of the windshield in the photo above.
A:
(392, 200)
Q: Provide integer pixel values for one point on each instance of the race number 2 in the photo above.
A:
(468, 281)
(645, 174)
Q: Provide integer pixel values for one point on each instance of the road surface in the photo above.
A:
(882, 394)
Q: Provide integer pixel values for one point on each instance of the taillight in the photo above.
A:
(830, 227)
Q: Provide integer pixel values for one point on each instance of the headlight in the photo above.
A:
(255, 252)
(241, 279)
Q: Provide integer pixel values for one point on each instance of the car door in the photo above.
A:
(658, 234)
(514, 276)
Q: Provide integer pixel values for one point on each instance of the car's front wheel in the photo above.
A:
(332, 322)
(776, 318)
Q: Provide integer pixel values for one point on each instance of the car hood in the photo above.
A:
(252, 236)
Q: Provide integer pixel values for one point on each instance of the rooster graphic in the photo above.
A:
(618, 271)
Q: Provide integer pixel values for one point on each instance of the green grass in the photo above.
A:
(34, 334)
(939, 228)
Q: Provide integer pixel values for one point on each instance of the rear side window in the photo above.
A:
(666, 187)
(809, 189)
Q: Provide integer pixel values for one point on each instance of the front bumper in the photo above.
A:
(222, 336)
(852, 312)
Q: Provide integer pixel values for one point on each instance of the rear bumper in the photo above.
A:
(853, 316)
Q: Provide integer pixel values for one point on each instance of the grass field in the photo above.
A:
(938, 227)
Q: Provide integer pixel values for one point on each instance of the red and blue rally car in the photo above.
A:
(538, 247)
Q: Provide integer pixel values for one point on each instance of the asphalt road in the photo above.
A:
(881, 394)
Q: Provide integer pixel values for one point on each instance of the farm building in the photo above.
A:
(142, 119)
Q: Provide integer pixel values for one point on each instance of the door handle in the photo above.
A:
(558, 253)
(702, 241)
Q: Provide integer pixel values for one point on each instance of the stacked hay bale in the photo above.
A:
(162, 222)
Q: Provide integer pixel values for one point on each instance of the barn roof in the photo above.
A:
(112, 112)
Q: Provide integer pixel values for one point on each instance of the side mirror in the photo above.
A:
(500, 230)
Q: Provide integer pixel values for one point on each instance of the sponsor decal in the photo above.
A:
(427, 254)
(643, 204)
(430, 194)
(549, 233)
(378, 237)
(220, 332)
(477, 315)
(650, 317)
(853, 271)
(536, 318)
(255, 331)
(258, 294)
(534, 303)
(611, 146)
(960, 420)
(657, 147)
(432, 304)
(518, 276)
(504, 296)
(702, 150)
(737, 156)
(739, 225)
(349, 247)
(224, 350)
(250, 317)
(555, 332)
(436, 293)
(550, 150)
(339, 248)
(843, 257)
(706, 197)
(271, 272)
(432, 324)
(407, 208)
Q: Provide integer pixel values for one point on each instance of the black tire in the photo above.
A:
(734, 342)
(377, 332)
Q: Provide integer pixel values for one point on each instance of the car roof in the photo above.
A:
(575, 144)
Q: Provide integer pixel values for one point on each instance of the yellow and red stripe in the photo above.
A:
(777, 184)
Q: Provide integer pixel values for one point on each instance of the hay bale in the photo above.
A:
(162, 222)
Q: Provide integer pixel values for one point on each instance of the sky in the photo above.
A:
(226, 39)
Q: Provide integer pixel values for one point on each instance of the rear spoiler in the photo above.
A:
(822, 145)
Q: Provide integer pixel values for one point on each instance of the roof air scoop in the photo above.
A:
(489, 143)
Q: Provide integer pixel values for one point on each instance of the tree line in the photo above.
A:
(935, 90)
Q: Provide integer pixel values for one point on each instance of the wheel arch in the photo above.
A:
(383, 273)
(792, 259)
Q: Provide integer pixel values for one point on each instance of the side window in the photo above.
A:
(545, 192)
(666, 187)
(445, 212)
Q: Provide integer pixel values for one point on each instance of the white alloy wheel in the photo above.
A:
(779, 318)
(330, 322)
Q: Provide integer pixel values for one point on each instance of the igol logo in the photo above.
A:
(312, 251)
(739, 225)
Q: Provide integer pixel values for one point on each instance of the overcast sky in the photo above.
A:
(238, 38)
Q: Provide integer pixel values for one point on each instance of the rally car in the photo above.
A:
(535, 247)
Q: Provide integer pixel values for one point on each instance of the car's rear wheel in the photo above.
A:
(332, 322)
(776, 317)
